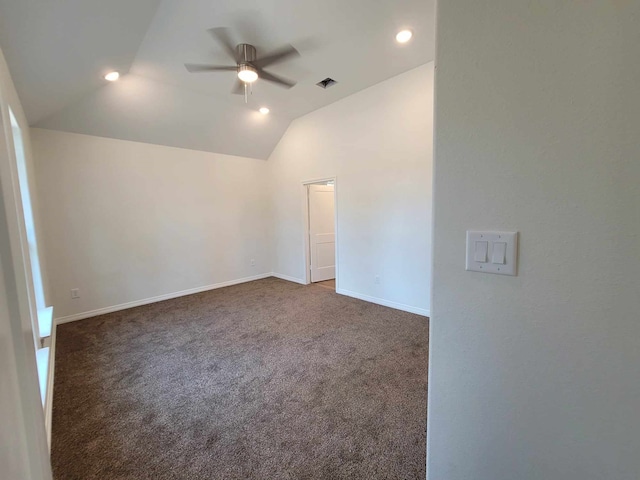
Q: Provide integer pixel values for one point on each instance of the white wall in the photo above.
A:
(128, 221)
(24, 450)
(378, 143)
(537, 130)
(22, 430)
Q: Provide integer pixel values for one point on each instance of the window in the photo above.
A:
(29, 223)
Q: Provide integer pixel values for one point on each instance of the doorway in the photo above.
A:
(320, 238)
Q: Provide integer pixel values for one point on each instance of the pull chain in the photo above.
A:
(248, 90)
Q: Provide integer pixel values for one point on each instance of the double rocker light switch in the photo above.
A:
(492, 252)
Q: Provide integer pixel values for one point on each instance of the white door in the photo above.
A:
(322, 233)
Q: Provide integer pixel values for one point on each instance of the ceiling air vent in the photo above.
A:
(326, 83)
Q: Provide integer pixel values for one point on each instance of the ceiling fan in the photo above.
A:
(249, 66)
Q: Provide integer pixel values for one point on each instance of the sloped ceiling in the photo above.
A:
(58, 52)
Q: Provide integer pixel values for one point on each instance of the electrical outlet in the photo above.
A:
(253, 262)
(377, 280)
(75, 293)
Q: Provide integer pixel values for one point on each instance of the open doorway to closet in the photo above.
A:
(320, 238)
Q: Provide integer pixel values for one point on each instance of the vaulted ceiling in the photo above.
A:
(58, 52)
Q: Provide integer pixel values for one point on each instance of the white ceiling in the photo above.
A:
(58, 51)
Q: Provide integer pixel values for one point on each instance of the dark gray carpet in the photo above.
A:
(265, 380)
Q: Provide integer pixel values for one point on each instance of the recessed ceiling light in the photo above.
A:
(404, 36)
(112, 76)
(264, 110)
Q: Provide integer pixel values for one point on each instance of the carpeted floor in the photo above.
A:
(264, 380)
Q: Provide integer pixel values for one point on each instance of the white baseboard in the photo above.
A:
(168, 296)
(159, 298)
(288, 278)
(383, 302)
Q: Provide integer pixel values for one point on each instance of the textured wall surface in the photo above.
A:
(128, 221)
(536, 376)
(378, 143)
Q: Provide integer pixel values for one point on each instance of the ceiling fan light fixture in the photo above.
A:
(247, 73)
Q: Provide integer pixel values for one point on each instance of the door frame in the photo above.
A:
(305, 222)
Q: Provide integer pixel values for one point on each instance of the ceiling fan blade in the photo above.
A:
(221, 35)
(238, 87)
(195, 68)
(277, 56)
(270, 77)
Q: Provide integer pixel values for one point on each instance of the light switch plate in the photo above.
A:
(477, 238)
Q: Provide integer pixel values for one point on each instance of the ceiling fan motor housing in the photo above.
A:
(245, 53)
